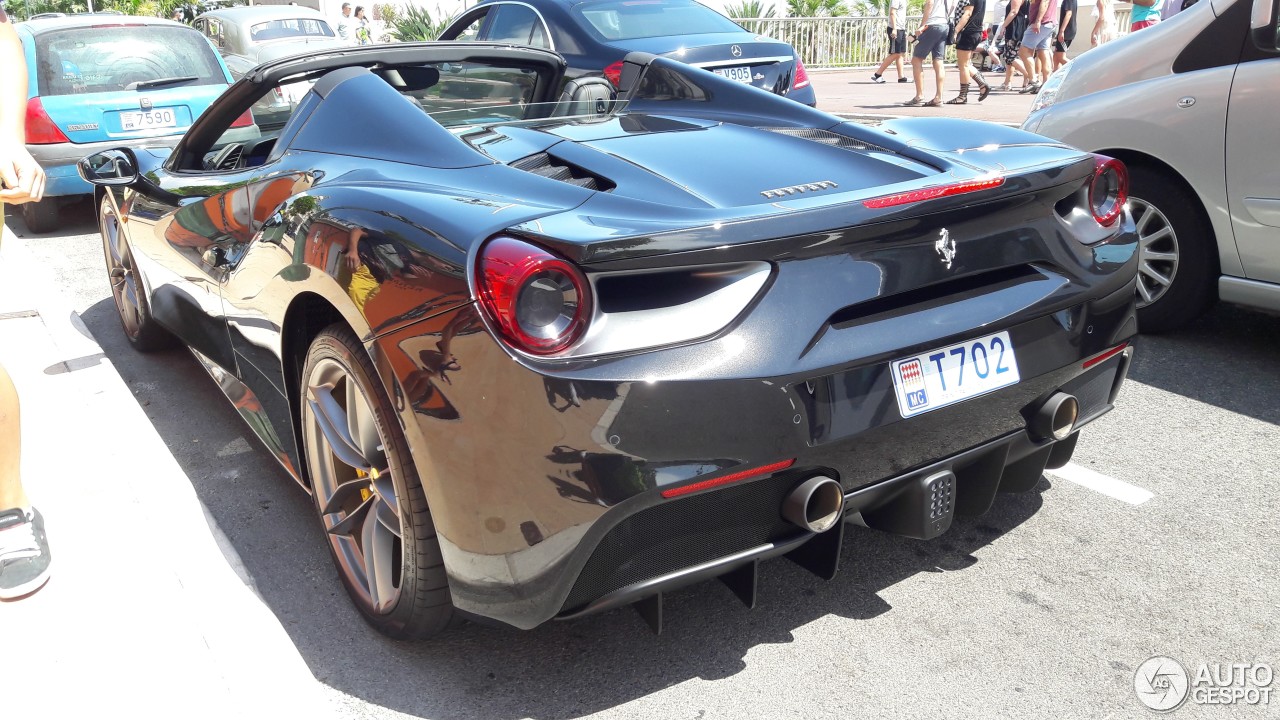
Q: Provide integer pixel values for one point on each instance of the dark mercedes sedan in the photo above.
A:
(594, 36)
(537, 357)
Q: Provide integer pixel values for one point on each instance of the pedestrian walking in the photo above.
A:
(968, 23)
(897, 41)
(1145, 14)
(1104, 23)
(362, 32)
(1013, 28)
(343, 25)
(1066, 32)
(24, 549)
(931, 40)
(1037, 41)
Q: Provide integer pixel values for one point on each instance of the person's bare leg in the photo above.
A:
(11, 494)
(917, 74)
(1028, 64)
(939, 76)
(1046, 65)
(884, 64)
(962, 64)
(898, 61)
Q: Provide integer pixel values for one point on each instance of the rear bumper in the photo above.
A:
(546, 488)
(901, 504)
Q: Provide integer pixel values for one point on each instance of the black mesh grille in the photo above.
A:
(827, 137)
(1093, 388)
(683, 533)
(546, 166)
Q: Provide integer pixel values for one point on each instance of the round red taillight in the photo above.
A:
(539, 302)
(1109, 190)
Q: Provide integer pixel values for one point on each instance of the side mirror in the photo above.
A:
(114, 167)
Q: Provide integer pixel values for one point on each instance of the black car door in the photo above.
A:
(180, 229)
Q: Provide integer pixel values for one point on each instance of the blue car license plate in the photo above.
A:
(954, 373)
(741, 74)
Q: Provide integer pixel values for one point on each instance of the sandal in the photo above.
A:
(983, 91)
(913, 102)
(934, 102)
(1031, 89)
(958, 100)
(1005, 88)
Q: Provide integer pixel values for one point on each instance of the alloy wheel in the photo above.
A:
(1157, 251)
(121, 273)
(353, 485)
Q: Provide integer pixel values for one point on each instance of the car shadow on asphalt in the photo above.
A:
(1228, 358)
(558, 670)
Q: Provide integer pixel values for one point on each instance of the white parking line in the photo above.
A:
(1111, 487)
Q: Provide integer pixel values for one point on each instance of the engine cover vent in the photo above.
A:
(549, 167)
(826, 137)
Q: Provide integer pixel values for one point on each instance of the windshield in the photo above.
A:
(290, 28)
(631, 19)
(109, 58)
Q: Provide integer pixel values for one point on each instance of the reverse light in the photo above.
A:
(539, 302)
(726, 479)
(1109, 190)
(614, 74)
(40, 127)
(801, 79)
(937, 191)
(245, 119)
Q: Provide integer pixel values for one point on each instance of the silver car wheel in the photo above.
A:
(1157, 251)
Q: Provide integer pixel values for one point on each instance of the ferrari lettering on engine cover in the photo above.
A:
(797, 189)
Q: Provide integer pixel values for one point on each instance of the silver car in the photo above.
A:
(249, 36)
(1190, 105)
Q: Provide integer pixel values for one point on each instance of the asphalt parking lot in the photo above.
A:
(1159, 539)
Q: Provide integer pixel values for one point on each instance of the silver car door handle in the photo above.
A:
(1264, 210)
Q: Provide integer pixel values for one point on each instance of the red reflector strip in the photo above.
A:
(1105, 355)
(726, 479)
(931, 193)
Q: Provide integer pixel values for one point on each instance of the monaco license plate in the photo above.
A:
(159, 118)
(954, 373)
(741, 74)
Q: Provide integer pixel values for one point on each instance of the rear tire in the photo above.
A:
(127, 289)
(1178, 266)
(381, 535)
(41, 217)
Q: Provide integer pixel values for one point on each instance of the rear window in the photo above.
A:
(631, 19)
(119, 57)
(289, 28)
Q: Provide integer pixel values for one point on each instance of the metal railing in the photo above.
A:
(841, 42)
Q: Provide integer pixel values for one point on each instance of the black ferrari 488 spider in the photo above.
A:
(540, 349)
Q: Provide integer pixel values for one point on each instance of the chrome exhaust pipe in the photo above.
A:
(816, 504)
(1056, 419)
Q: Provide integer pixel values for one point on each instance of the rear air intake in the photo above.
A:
(826, 138)
(551, 167)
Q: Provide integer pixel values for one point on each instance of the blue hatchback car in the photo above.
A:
(103, 81)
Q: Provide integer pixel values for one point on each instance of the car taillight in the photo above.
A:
(40, 127)
(245, 119)
(1109, 190)
(614, 74)
(539, 302)
(801, 78)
